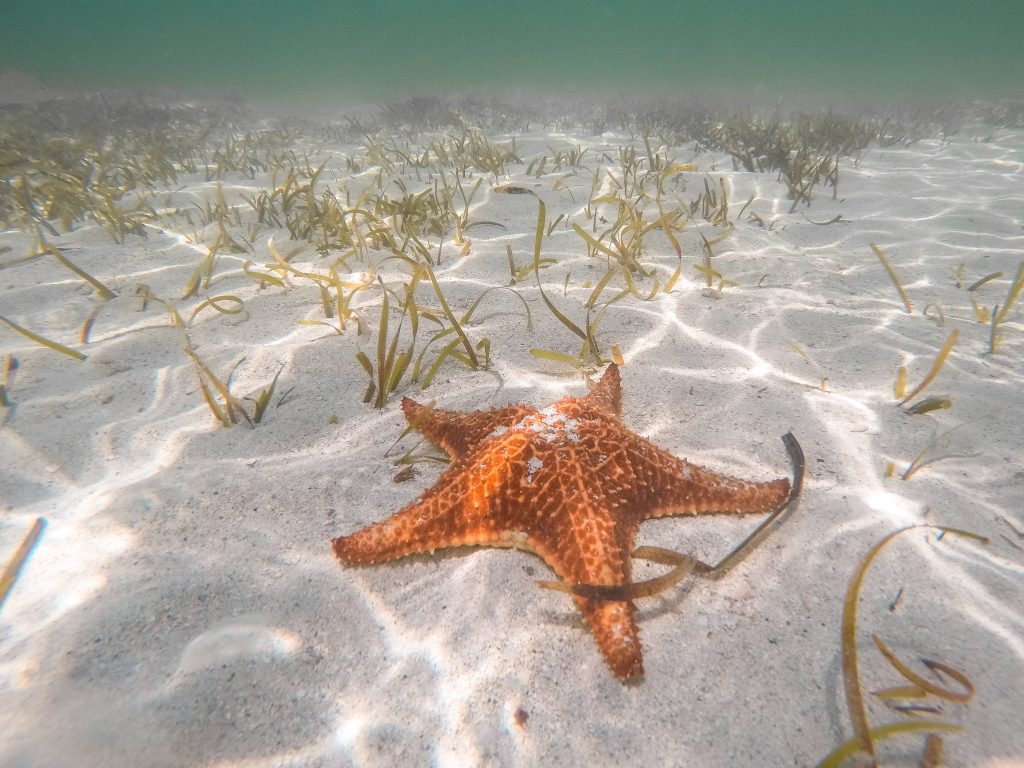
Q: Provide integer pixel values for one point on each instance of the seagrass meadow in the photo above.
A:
(211, 311)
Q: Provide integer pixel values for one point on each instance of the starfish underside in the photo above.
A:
(569, 482)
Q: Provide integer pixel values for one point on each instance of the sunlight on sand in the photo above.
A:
(183, 601)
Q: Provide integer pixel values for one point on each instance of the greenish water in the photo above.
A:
(921, 50)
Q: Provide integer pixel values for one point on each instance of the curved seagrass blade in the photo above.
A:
(684, 565)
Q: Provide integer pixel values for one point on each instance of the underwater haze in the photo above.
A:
(921, 50)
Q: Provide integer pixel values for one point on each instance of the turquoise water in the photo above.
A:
(905, 49)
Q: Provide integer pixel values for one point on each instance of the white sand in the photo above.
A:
(183, 606)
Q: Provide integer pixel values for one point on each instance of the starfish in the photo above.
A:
(570, 483)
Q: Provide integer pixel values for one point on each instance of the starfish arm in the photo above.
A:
(457, 432)
(590, 545)
(685, 488)
(642, 480)
(435, 522)
(466, 506)
(615, 630)
(607, 393)
(414, 529)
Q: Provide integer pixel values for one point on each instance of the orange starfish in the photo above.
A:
(569, 483)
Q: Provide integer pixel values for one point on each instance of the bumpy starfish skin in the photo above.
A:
(569, 483)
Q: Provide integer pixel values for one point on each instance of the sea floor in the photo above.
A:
(182, 605)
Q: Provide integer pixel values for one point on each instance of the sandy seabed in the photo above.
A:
(183, 606)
